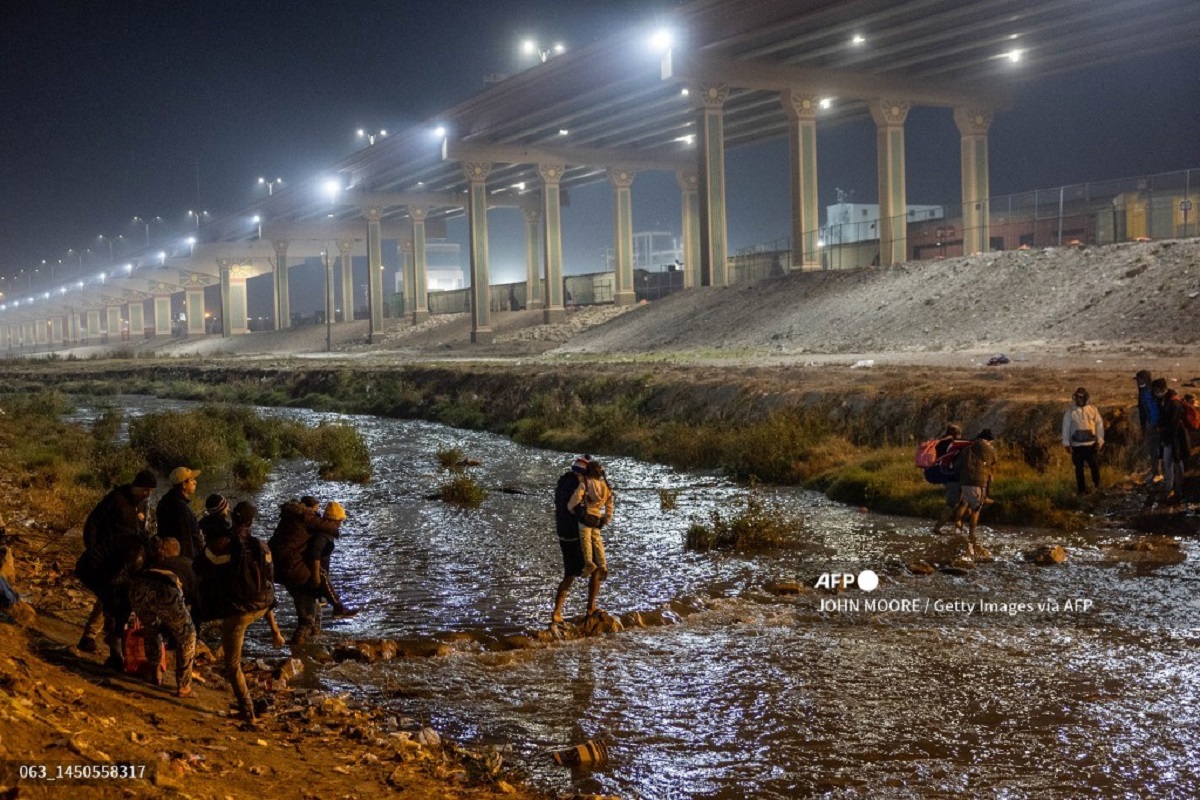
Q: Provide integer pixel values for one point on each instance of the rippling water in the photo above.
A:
(761, 696)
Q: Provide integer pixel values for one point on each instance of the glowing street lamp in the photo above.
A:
(332, 188)
(191, 240)
(197, 215)
(529, 47)
(103, 238)
(371, 137)
(146, 222)
(258, 222)
(270, 184)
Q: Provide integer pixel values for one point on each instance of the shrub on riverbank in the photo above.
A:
(49, 460)
(755, 524)
(462, 491)
(239, 442)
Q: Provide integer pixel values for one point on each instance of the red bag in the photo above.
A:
(1191, 416)
(137, 660)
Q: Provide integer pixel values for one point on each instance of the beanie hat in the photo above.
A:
(145, 480)
(215, 504)
(580, 464)
(334, 511)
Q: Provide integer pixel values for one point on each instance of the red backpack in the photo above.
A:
(1191, 416)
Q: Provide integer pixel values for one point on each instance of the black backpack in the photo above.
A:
(253, 584)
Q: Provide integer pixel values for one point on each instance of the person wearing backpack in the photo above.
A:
(1083, 436)
(934, 473)
(157, 596)
(237, 587)
(292, 548)
(1147, 407)
(1172, 431)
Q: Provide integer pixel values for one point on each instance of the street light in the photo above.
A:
(529, 46)
(191, 240)
(258, 221)
(270, 184)
(371, 137)
(197, 215)
(146, 222)
(103, 238)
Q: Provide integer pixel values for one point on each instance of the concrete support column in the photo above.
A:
(801, 110)
(973, 124)
(283, 306)
(41, 331)
(889, 116)
(28, 335)
(233, 298)
(346, 266)
(481, 301)
(162, 314)
(710, 169)
(420, 284)
(93, 325)
(375, 274)
(193, 304)
(137, 319)
(406, 261)
(533, 247)
(553, 310)
(113, 323)
(56, 330)
(622, 183)
(690, 203)
(330, 296)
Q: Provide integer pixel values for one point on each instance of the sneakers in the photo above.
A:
(342, 612)
(87, 644)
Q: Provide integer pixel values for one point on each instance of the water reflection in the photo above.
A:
(760, 695)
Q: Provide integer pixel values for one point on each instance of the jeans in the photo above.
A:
(1081, 455)
(233, 636)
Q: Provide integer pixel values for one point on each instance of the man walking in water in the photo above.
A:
(567, 525)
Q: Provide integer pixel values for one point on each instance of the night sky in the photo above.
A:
(117, 109)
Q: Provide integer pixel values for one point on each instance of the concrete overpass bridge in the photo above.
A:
(738, 71)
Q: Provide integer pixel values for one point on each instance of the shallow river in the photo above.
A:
(1077, 680)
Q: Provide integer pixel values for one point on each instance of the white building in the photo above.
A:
(847, 223)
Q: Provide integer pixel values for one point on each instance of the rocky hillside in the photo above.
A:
(1142, 295)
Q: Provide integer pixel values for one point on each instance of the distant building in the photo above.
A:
(847, 223)
(443, 267)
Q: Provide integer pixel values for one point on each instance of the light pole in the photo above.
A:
(371, 137)
(270, 184)
(103, 238)
(146, 222)
(529, 46)
(197, 215)
(79, 256)
(258, 222)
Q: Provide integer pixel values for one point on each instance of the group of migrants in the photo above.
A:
(1169, 424)
(193, 571)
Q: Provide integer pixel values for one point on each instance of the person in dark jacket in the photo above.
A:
(107, 569)
(176, 519)
(1148, 420)
(567, 526)
(120, 512)
(1172, 433)
(290, 545)
(224, 596)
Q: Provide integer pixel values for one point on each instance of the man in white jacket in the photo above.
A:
(1083, 436)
